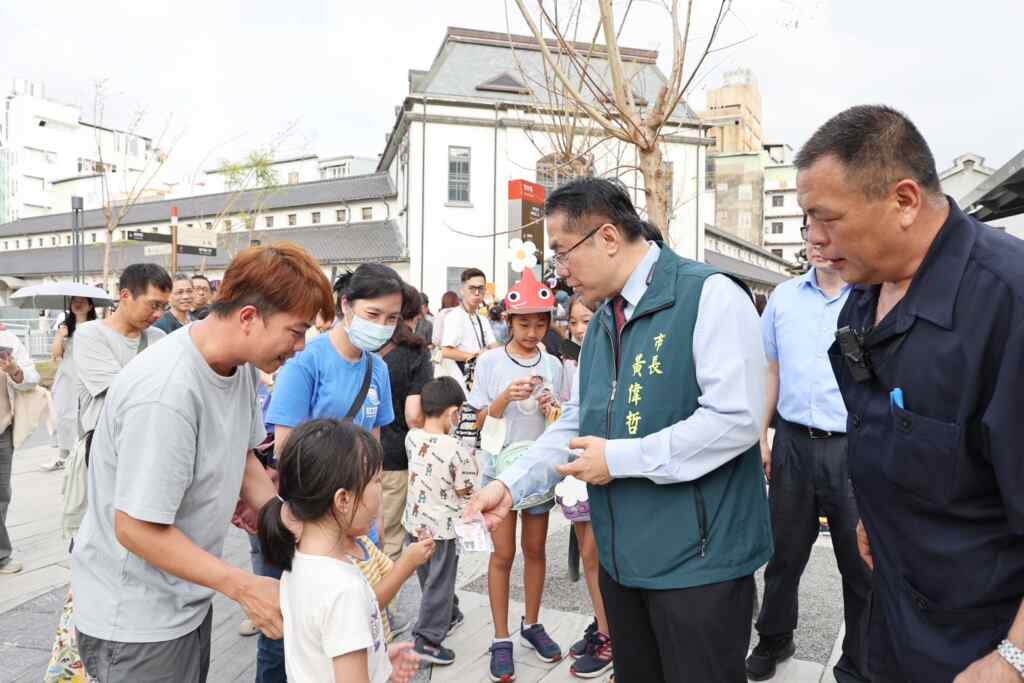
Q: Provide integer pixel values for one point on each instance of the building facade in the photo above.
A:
(783, 217)
(967, 172)
(470, 124)
(734, 114)
(43, 142)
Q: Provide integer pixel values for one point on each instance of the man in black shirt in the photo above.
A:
(930, 362)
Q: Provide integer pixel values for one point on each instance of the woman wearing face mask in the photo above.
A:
(327, 379)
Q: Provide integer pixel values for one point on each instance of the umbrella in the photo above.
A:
(55, 295)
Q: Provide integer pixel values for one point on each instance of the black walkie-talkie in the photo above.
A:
(851, 343)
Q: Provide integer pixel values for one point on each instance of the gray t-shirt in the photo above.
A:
(495, 371)
(99, 354)
(170, 448)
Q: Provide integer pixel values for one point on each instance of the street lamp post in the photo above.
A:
(76, 239)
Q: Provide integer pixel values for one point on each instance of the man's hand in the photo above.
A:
(404, 662)
(864, 546)
(493, 501)
(592, 465)
(259, 597)
(245, 518)
(989, 669)
(766, 457)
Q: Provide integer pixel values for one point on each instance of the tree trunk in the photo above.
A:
(656, 192)
(106, 259)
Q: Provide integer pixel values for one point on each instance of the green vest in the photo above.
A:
(657, 536)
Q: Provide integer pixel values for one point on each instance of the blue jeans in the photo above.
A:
(269, 653)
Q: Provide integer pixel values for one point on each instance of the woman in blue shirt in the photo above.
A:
(326, 377)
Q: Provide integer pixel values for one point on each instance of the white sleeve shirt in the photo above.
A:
(730, 365)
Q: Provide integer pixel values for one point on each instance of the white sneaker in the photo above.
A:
(247, 628)
(57, 465)
(11, 567)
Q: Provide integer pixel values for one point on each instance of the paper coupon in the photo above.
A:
(473, 536)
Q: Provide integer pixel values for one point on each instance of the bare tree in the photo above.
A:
(614, 108)
(119, 197)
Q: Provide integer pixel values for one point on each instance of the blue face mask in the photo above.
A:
(368, 336)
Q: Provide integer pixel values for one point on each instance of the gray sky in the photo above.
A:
(233, 75)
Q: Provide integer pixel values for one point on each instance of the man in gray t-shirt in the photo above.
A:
(171, 457)
(103, 347)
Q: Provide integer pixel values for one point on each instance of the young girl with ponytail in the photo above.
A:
(329, 495)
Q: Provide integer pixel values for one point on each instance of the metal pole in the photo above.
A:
(76, 229)
(174, 240)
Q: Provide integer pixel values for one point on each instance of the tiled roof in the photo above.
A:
(377, 241)
(318, 192)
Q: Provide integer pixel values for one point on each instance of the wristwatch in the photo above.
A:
(1013, 655)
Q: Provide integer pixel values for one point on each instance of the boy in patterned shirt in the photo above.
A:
(442, 475)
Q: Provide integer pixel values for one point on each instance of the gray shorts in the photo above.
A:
(182, 660)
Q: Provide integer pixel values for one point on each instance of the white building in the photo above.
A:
(287, 170)
(44, 142)
(999, 199)
(782, 215)
(341, 222)
(466, 128)
(967, 172)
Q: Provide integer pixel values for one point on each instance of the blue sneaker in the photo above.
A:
(538, 640)
(503, 667)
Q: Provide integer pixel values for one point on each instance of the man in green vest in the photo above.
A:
(663, 426)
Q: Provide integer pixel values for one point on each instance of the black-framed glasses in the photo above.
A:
(560, 259)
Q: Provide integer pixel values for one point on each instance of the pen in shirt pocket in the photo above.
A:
(896, 398)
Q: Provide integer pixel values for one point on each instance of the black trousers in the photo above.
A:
(688, 634)
(808, 476)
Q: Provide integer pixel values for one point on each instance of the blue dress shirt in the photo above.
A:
(799, 326)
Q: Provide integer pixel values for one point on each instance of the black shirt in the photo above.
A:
(940, 481)
(410, 369)
(168, 323)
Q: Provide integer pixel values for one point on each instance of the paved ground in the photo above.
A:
(30, 602)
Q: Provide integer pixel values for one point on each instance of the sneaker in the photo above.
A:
(769, 652)
(457, 621)
(247, 628)
(538, 640)
(596, 660)
(10, 567)
(503, 667)
(56, 465)
(580, 647)
(435, 654)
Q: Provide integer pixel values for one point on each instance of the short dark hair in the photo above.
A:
(319, 458)
(368, 281)
(470, 273)
(608, 199)
(199, 276)
(878, 145)
(440, 394)
(137, 278)
(403, 336)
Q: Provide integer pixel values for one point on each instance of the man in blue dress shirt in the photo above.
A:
(806, 466)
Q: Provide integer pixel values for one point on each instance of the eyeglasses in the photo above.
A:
(561, 259)
(804, 229)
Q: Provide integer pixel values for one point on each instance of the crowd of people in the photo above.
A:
(355, 436)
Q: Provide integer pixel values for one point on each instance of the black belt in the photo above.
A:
(814, 432)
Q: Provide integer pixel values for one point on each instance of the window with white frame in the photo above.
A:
(778, 200)
(268, 221)
(458, 174)
(341, 215)
(293, 177)
(367, 213)
(777, 252)
(292, 219)
(776, 228)
(315, 218)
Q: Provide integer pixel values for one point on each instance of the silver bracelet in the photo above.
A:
(1013, 655)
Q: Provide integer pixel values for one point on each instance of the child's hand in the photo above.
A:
(519, 390)
(547, 402)
(404, 662)
(419, 553)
